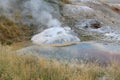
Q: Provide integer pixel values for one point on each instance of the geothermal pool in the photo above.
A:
(84, 51)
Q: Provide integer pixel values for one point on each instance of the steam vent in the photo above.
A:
(56, 36)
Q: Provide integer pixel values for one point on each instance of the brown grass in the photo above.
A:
(11, 32)
(65, 1)
(30, 67)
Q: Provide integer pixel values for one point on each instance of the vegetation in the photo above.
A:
(65, 1)
(11, 32)
(29, 67)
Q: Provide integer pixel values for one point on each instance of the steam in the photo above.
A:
(40, 11)
(4, 4)
(5, 7)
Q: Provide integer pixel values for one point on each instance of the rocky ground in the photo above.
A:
(76, 26)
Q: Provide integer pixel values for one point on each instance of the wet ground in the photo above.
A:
(84, 51)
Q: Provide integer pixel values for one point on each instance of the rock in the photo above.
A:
(115, 37)
(89, 23)
(84, 51)
(111, 1)
(76, 1)
(91, 29)
(92, 25)
(105, 14)
(77, 11)
(56, 36)
(98, 10)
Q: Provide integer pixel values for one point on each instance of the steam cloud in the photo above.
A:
(5, 7)
(39, 10)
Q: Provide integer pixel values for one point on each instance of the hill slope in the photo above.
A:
(11, 32)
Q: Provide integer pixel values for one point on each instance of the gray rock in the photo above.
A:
(77, 11)
(111, 1)
(100, 11)
(91, 29)
(77, 1)
(89, 23)
(92, 25)
(56, 36)
(105, 14)
(94, 29)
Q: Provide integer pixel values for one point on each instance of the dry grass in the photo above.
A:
(11, 32)
(65, 1)
(29, 67)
